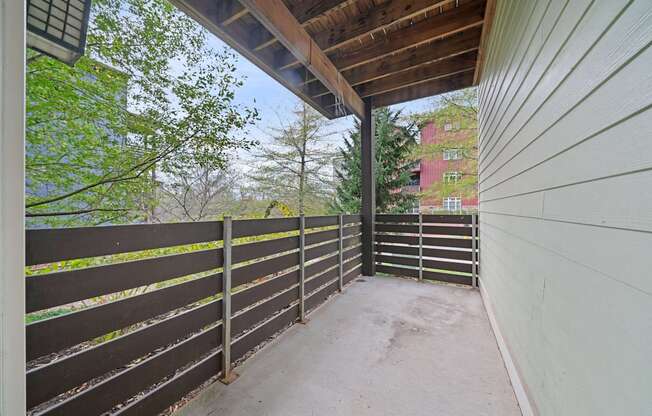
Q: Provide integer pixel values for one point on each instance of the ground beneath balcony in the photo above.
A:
(386, 346)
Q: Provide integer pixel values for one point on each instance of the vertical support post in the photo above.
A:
(227, 230)
(340, 247)
(12, 207)
(302, 268)
(420, 247)
(367, 153)
(474, 252)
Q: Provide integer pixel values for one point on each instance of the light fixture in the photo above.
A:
(58, 27)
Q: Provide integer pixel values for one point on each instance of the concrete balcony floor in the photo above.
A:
(387, 346)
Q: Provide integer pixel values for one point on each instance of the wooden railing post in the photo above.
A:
(474, 250)
(302, 268)
(340, 248)
(227, 230)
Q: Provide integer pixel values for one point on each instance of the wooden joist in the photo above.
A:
(275, 17)
(425, 89)
(429, 53)
(210, 15)
(406, 59)
(445, 24)
(305, 11)
(373, 19)
(419, 74)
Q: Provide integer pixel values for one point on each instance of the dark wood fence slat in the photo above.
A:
(50, 245)
(427, 229)
(60, 376)
(320, 237)
(249, 251)
(60, 288)
(317, 298)
(249, 228)
(321, 250)
(250, 340)
(321, 279)
(427, 263)
(443, 277)
(174, 389)
(427, 241)
(122, 386)
(427, 252)
(263, 311)
(263, 290)
(321, 221)
(447, 219)
(249, 273)
(352, 218)
(394, 218)
(55, 334)
(356, 271)
(352, 230)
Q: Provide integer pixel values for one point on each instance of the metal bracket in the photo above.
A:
(474, 249)
(302, 268)
(420, 247)
(228, 376)
(340, 223)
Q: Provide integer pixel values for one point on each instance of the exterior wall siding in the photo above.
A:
(565, 180)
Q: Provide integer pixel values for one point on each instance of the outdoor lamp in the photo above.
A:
(58, 27)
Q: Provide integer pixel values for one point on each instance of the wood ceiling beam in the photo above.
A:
(209, 14)
(305, 12)
(489, 12)
(230, 11)
(278, 20)
(442, 25)
(427, 89)
(372, 20)
(419, 74)
(440, 50)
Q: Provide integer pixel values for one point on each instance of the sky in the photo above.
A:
(275, 103)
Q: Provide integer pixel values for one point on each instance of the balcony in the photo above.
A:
(200, 300)
(385, 346)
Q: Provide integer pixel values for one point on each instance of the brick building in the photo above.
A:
(446, 166)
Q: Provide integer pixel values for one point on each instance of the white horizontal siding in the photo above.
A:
(566, 200)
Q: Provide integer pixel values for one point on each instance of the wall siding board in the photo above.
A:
(565, 202)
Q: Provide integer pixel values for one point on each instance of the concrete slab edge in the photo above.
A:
(517, 384)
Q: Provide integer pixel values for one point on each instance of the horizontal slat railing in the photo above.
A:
(433, 247)
(128, 319)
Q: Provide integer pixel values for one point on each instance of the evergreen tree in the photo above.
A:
(395, 145)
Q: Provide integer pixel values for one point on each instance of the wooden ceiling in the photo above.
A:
(336, 53)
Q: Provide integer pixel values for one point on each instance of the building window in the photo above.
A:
(448, 127)
(453, 203)
(452, 154)
(457, 125)
(451, 177)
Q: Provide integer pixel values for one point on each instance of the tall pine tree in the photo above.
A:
(395, 147)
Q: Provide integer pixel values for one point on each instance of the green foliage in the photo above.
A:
(395, 144)
(149, 96)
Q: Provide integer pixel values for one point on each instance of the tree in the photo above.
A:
(458, 108)
(293, 170)
(150, 96)
(201, 195)
(395, 145)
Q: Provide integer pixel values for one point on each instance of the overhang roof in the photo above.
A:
(335, 53)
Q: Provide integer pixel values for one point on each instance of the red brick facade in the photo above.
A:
(431, 171)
